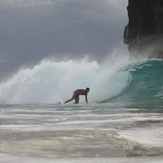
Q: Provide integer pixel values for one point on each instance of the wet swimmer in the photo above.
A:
(76, 95)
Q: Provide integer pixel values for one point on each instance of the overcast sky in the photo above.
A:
(31, 30)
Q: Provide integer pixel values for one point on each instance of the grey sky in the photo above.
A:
(31, 30)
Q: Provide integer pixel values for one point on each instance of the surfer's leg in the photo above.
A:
(77, 99)
(68, 100)
(73, 96)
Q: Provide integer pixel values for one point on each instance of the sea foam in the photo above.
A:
(51, 82)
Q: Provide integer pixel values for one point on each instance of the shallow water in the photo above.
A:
(80, 131)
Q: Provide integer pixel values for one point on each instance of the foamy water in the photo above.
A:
(51, 82)
(79, 131)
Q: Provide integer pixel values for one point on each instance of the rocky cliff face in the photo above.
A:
(144, 32)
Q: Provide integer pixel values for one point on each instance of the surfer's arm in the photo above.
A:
(86, 99)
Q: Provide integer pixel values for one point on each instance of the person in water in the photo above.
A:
(77, 93)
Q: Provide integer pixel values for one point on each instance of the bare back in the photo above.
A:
(81, 92)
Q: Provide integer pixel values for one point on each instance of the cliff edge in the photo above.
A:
(144, 32)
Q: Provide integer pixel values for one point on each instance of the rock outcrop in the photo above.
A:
(144, 32)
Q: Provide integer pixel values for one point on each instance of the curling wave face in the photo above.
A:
(146, 86)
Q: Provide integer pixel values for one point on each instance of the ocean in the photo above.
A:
(123, 121)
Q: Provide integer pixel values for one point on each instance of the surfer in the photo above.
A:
(77, 93)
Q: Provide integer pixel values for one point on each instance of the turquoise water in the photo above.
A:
(122, 122)
(146, 86)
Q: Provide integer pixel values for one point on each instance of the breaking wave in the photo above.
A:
(134, 84)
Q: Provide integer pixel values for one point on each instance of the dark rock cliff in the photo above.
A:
(144, 32)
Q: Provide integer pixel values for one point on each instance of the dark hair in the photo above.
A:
(87, 89)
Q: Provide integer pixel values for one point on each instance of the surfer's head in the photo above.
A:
(87, 89)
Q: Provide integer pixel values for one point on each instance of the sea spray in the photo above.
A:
(51, 82)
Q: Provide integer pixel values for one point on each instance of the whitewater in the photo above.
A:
(122, 122)
(51, 82)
